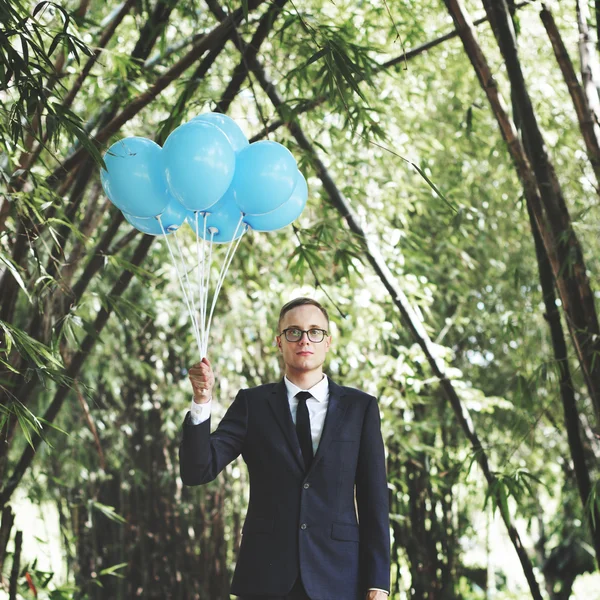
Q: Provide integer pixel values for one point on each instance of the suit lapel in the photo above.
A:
(336, 410)
(281, 408)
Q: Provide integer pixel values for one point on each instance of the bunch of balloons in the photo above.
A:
(206, 167)
(208, 175)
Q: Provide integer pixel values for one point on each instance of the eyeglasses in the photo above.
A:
(293, 334)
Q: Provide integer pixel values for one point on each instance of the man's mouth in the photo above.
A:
(305, 353)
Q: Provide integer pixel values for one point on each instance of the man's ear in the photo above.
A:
(327, 343)
(278, 342)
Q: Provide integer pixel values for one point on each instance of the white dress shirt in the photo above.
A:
(317, 407)
(317, 410)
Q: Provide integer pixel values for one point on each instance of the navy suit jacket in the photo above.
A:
(302, 521)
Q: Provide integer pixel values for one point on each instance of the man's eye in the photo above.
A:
(295, 332)
(315, 332)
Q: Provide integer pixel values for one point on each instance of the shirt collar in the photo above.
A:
(319, 391)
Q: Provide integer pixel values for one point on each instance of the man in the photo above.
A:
(309, 445)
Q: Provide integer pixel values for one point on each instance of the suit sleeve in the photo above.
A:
(203, 455)
(373, 503)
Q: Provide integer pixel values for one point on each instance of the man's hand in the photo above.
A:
(203, 380)
(376, 595)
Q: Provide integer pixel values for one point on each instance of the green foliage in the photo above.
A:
(592, 506)
(28, 48)
(516, 485)
(45, 361)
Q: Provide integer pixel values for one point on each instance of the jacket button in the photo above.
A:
(306, 486)
(303, 526)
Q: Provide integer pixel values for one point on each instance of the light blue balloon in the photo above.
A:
(224, 217)
(134, 179)
(200, 164)
(237, 138)
(287, 213)
(265, 176)
(171, 218)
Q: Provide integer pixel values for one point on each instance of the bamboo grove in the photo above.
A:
(452, 151)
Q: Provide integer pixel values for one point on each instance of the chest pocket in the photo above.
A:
(339, 452)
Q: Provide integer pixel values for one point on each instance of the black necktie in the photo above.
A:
(303, 428)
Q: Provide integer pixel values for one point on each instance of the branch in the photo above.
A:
(317, 280)
(176, 116)
(6, 524)
(90, 422)
(251, 52)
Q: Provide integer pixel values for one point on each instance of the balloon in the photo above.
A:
(228, 126)
(134, 179)
(200, 163)
(224, 217)
(171, 218)
(265, 176)
(284, 215)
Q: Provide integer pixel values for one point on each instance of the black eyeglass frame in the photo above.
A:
(302, 332)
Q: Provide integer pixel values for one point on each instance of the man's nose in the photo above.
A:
(304, 338)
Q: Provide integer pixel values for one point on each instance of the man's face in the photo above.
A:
(304, 355)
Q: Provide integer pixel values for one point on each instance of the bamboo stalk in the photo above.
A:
(187, 94)
(590, 131)
(566, 384)
(590, 70)
(588, 124)
(252, 49)
(8, 519)
(570, 272)
(16, 564)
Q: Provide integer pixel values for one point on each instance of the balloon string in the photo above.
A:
(206, 276)
(200, 276)
(189, 285)
(226, 262)
(210, 249)
(196, 334)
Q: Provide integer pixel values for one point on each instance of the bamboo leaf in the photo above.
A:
(15, 273)
(112, 570)
(108, 511)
